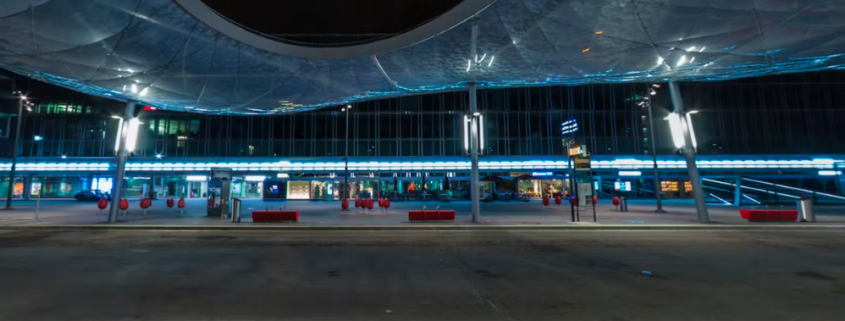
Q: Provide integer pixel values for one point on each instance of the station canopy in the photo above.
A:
(181, 55)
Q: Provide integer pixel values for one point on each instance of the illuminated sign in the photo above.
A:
(569, 126)
(630, 173)
(542, 174)
(194, 178)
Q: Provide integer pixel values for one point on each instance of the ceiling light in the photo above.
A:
(682, 61)
(491, 60)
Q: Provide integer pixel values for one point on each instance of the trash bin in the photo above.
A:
(805, 210)
(623, 204)
(236, 210)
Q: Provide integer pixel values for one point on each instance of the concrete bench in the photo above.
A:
(769, 215)
(431, 215)
(275, 216)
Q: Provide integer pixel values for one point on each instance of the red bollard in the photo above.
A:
(545, 201)
(169, 203)
(102, 204)
(386, 205)
(357, 203)
(181, 205)
(595, 200)
(558, 200)
(146, 203)
(344, 204)
(615, 202)
(380, 202)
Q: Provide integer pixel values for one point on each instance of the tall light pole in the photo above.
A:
(346, 159)
(11, 191)
(657, 187)
(126, 137)
(682, 125)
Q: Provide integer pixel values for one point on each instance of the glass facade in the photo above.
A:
(775, 115)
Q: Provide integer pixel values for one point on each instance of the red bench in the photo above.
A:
(769, 215)
(274, 216)
(445, 215)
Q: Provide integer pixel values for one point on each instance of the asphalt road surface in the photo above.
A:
(421, 275)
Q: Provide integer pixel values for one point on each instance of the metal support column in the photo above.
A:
(473, 148)
(689, 153)
(27, 187)
(15, 155)
(122, 155)
(738, 191)
(657, 188)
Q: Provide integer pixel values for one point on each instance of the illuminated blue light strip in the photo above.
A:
(625, 164)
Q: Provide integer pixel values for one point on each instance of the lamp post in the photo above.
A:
(346, 159)
(11, 191)
(684, 137)
(657, 187)
(126, 137)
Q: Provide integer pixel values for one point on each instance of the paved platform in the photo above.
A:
(322, 213)
(421, 275)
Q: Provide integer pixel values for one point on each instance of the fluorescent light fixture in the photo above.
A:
(144, 92)
(677, 133)
(469, 64)
(830, 173)
(466, 133)
(491, 61)
(751, 199)
(196, 178)
(542, 174)
(481, 132)
(119, 132)
(254, 178)
(702, 49)
(132, 134)
(158, 156)
(482, 58)
(630, 173)
(682, 61)
(134, 89)
(659, 60)
(282, 175)
(37, 138)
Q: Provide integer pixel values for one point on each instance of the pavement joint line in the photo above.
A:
(618, 227)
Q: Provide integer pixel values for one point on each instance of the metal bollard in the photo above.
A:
(236, 210)
(805, 210)
(623, 204)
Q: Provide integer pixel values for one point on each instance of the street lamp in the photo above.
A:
(646, 102)
(346, 151)
(10, 192)
(128, 134)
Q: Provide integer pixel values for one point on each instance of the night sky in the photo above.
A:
(331, 16)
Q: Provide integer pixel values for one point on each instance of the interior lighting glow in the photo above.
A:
(491, 61)
(143, 92)
(469, 64)
(630, 173)
(585, 50)
(482, 58)
(830, 173)
(682, 61)
(134, 89)
(254, 178)
(119, 132)
(196, 178)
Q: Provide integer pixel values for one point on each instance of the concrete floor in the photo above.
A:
(420, 275)
(328, 213)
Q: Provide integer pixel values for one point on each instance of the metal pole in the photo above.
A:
(689, 153)
(346, 159)
(38, 202)
(571, 185)
(657, 187)
(738, 191)
(473, 147)
(11, 190)
(122, 154)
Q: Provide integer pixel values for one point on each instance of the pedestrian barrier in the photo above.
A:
(763, 215)
(275, 216)
(436, 215)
